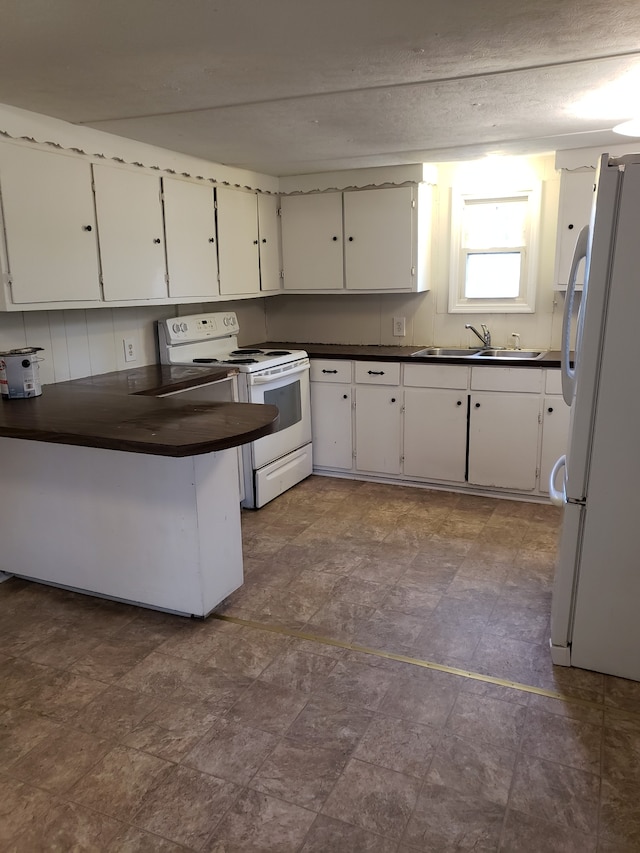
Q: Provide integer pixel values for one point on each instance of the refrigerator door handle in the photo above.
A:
(558, 497)
(568, 373)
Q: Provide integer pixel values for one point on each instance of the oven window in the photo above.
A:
(287, 399)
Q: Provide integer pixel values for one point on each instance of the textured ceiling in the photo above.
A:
(291, 87)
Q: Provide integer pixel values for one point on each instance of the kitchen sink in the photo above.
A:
(510, 353)
(446, 352)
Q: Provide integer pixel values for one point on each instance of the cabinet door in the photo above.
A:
(435, 434)
(131, 234)
(50, 226)
(378, 239)
(378, 411)
(190, 225)
(576, 198)
(270, 260)
(331, 425)
(312, 242)
(503, 440)
(238, 253)
(555, 435)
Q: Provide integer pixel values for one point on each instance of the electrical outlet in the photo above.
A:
(399, 327)
(129, 349)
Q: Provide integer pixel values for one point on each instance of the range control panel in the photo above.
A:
(198, 327)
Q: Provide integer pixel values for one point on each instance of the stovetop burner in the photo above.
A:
(205, 360)
(245, 352)
(239, 361)
(278, 352)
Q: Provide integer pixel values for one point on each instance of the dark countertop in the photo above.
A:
(391, 353)
(121, 411)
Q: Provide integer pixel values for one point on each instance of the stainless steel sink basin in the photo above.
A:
(446, 352)
(510, 353)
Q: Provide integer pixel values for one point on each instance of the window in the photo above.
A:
(494, 252)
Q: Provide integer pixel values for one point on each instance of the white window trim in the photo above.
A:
(525, 303)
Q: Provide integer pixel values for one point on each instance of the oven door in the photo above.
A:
(288, 389)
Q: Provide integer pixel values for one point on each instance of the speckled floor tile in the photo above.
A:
(525, 834)
(134, 840)
(427, 697)
(374, 798)
(399, 745)
(300, 773)
(328, 834)
(356, 684)
(231, 751)
(446, 821)
(330, 723)
(66, 826)
(567, 740)
(20, 806)
(115, 712)
(260, 824)
(268, 707)
(488, 720)
(299, 670)
(21, 731)
(186, 806)
(470, 767)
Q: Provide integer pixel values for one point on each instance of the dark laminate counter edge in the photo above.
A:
(365, 352)
(121, 411)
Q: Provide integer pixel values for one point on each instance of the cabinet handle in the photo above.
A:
(345, 396)
(211, 240)
(329, 371)
(375, 372)
(477, 405)
(156, 240)
(334, 239)
(570, 226)
(459, 403)
(550, 409)
(87, 228)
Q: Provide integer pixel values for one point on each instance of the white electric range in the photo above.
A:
(278, 461)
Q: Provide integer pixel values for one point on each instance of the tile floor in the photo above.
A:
(126, 730)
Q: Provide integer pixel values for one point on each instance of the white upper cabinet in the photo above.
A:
(192, 255)
(576, 198)
(269, 235)
(361, 240)
(50, 227)
(312, 242)
(378, 239)
(238, 253)
(131, 234)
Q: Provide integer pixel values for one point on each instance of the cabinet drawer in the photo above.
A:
(506, 379)
(436, 376)
(378, 372)
(330, 370)
(553, 382)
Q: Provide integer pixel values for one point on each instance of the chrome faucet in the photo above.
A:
(485, 337)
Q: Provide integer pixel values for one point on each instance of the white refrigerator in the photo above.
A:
(595, 618)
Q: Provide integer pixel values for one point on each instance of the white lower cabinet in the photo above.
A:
(331, 414)
(491, 428)
(503, 440)
(435, 434)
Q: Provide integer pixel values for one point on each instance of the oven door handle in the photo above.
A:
(274, 377)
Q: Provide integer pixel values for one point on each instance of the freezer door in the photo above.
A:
(591, 326)
(565, 583)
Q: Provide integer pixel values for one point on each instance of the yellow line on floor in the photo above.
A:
(426, 664)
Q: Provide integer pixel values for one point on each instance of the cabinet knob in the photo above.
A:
(156, 240)
(211, 240)
(393, 399)
(345, 396)
(570, 226)
(255, 242)
(351, 239)
(459, 403)
(334, 239)
(477, 405)
(264, 239)
(87, 228)
(550, 409)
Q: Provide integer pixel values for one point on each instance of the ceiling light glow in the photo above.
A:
(628, 128)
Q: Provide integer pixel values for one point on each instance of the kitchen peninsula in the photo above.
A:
(111, 490)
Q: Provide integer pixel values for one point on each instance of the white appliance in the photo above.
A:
(595, 619)
(275, 463)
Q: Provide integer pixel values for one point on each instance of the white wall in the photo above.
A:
(367, 319)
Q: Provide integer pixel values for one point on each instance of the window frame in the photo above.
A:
(524, 302)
